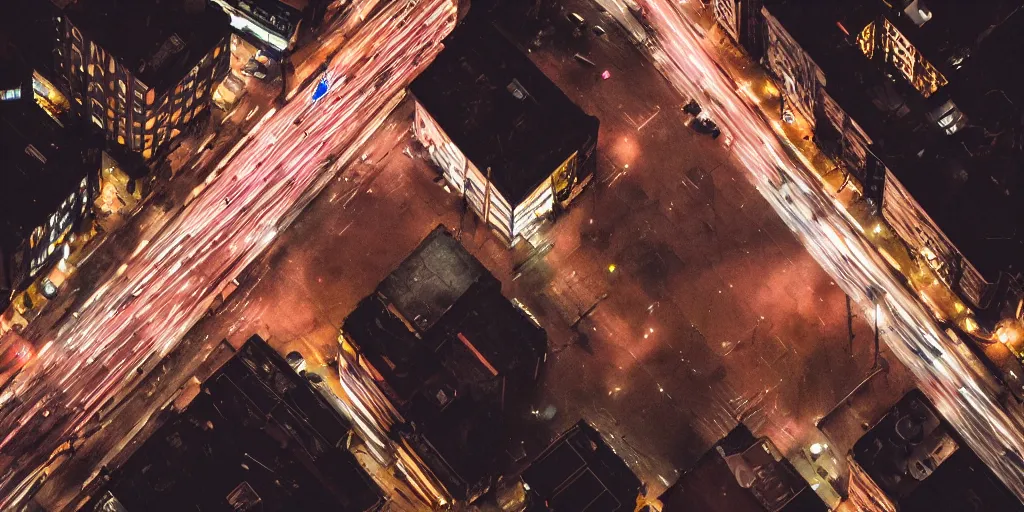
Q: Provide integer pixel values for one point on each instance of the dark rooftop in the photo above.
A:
(579, 472)
(398, 354)
(920, 463)
(451, 374)
(501, 110)
(30, 27)
(969, 183)
(712, 485)
(160, 41)
(431, 279)
(259, 436)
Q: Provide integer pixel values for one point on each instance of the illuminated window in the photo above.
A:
(91, 69)
(898, 52)
(175, 116)
(123, 86)
(11, 94)
(111, 66)
(150, 97)
(216, 52)
(120, 140)
(147, 153)
(150, 122)
(96, 119)
(110, 114)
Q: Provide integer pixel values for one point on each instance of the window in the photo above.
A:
(150, 122)
(150, 97)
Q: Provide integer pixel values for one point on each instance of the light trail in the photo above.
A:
(947, 375)
(142, 312)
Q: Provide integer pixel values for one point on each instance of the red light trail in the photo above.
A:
(144, 308)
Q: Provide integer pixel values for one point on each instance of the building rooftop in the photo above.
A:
(259, 438)
(160, 41)
(920, 462)
(450, 351)
(501, 110)
(31, 27)
(713, 484)
(579, 472)
(431, 279)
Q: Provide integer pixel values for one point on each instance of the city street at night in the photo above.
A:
(707, 279)
(148, 303)
(712, 310)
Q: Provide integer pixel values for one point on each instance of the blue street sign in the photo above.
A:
(322, 88)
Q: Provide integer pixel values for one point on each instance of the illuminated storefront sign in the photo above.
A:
(49, 98)
(898, 52)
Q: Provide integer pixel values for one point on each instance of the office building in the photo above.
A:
(505, 136)
(141, 71)
(436, 355)
(257, 437)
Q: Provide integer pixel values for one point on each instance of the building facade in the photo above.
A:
(141, 86)
(800, 78)
(743, 22)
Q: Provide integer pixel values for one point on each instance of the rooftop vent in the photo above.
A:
(517, 90)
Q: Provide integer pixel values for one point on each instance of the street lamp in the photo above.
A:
(816, 450)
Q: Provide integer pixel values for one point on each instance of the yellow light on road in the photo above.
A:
(970, 325)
